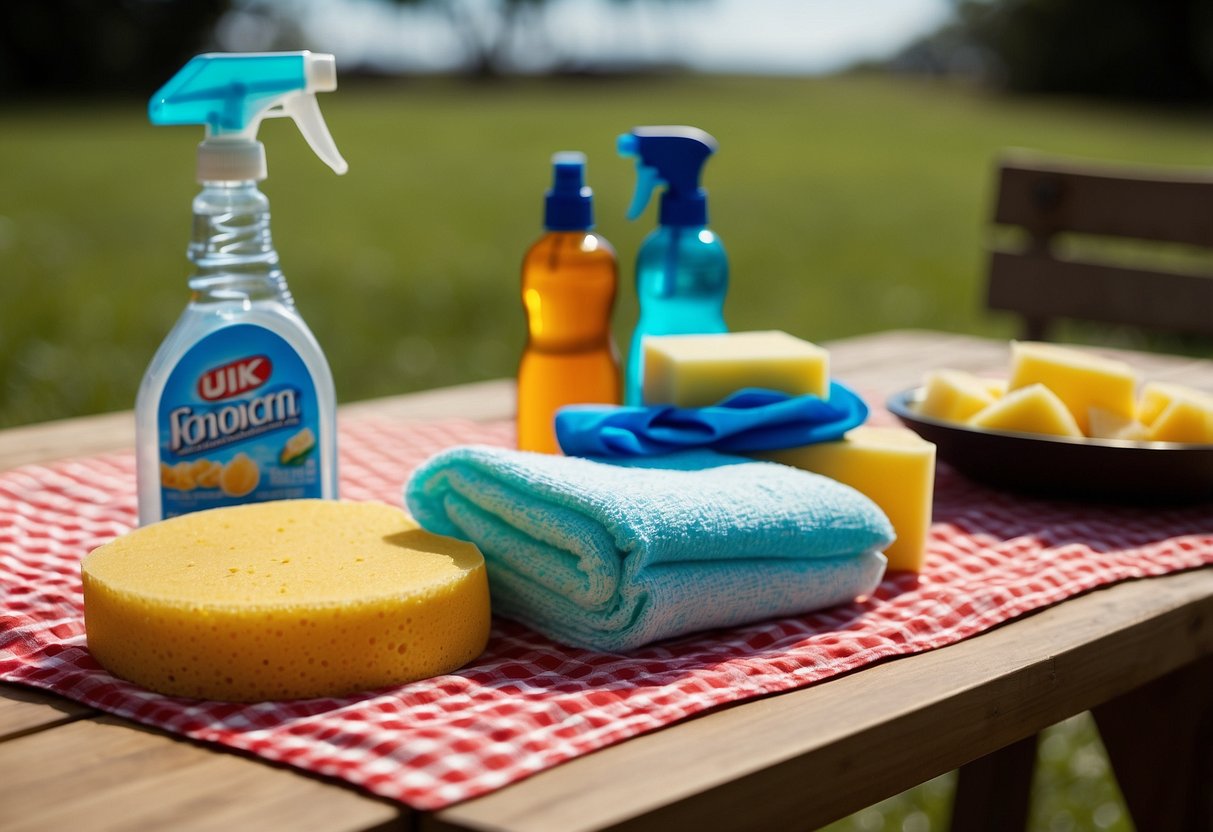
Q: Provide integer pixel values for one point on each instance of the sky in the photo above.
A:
(740, 36)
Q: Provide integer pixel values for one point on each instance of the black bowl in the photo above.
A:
(1106, 470)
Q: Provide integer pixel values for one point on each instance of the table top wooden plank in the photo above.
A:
(25, 710)
(112, 774)
(86, 435)
(901, 722)
(883, 363)
(81, 436)
(480, 401)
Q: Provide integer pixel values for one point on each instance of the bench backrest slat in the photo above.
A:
(1051, 198)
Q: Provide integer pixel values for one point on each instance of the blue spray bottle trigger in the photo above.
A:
(673, 157)
(226, 92)
(647, 178)
(230, 94)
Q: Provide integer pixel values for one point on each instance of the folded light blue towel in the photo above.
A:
(613, 556)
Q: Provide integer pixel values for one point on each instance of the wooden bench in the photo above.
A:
(1045, 278)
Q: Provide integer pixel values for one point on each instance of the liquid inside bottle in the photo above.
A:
(682, 278)
(568, 290)
(238, 403)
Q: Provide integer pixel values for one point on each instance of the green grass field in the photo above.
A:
(847, 204)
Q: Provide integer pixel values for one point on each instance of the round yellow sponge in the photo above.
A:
(284, 600)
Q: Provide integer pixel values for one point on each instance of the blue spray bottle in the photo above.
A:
(238, 403)
(682, 272)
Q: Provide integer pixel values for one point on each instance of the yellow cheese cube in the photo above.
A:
(700, 370)
(1157, 396)
(893, 467)
(1081, 380)
(1105, 424)
(1185, 420)
(954, 395)
(284, 600)
(1032, 409)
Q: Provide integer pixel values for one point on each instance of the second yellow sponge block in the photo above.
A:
(284, 600)
(700, 370)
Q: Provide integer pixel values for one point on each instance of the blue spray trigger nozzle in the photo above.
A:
(647, 179)
(673, 157)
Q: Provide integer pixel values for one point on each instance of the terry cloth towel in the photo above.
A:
(749, 420)
(611, 557)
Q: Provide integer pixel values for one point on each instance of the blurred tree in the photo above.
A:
(264, 26)
(89, 46)
(1146, 49)
(66, 47)
(494, 31)
(488, 30)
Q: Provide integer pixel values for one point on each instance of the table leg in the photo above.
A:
(992, 792)
(1159, 738)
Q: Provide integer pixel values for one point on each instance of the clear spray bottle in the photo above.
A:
(238, 403)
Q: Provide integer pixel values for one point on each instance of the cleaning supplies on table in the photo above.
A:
(568, 291)
(238, 403)
(747, 421)
(611, 557)
(682, 272)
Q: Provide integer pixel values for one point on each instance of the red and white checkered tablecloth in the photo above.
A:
(527, 703)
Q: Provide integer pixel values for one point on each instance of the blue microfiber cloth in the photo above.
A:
(612, 557)
(749, 420)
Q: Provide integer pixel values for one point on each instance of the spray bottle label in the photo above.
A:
(238, 422)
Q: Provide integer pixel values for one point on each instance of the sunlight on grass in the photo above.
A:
(847, 205)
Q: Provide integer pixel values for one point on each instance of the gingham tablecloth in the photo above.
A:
(527, 703)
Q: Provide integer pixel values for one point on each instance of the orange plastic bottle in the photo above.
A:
(568, 291)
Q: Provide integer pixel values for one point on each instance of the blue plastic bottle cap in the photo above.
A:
(569, 205)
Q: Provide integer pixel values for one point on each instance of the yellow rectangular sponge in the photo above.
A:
(700, 370)
(893, 467)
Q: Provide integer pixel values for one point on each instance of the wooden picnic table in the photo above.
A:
(1139, 654)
